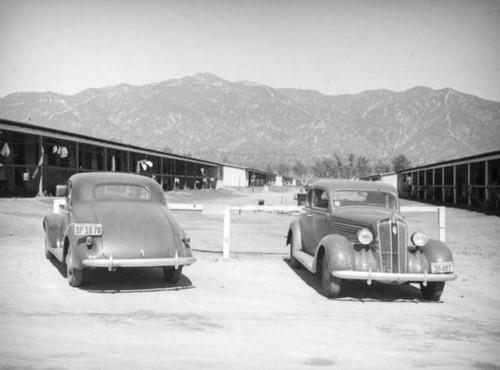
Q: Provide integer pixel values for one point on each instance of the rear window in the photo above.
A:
(345, 198)
(122, 192)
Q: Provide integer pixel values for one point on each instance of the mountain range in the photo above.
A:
(254, 125)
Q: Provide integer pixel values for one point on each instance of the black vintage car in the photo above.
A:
(354, 230)
(115, 220)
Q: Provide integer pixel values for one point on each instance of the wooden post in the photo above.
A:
(442, 223)
(469, 187)
(40, 167)
(454, 184)
(227, 234)
(443, 192)
(486, 183)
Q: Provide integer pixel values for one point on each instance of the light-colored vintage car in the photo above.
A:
(115, 220)
(353, 230)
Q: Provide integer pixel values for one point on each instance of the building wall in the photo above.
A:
(34, 161)
(472, 183)
(234, 177)
(390, 179)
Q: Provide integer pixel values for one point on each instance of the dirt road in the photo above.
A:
(250, 312)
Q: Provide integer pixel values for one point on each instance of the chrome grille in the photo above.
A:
(392, 239)
(346, 228)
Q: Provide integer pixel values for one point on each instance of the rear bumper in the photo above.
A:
(111, 263)
(393, 278)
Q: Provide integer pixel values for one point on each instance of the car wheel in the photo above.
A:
(433, 291)
(331, 284)
(75, 276)
(172, 274)
(294, 262)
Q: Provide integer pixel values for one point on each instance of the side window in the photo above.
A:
(320, 199)
(310, 198)
(68, 193)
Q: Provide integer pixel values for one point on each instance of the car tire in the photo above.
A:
(331, 284)
(433, 290)
(75, 276)
(172, 274)
(294, 262)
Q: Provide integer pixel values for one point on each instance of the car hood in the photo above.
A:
(363, 216)
(137, 230)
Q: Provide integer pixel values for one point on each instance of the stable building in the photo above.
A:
(471, 182)
(38, 161)
(242, 177)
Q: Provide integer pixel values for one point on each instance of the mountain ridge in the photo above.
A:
(252, 124)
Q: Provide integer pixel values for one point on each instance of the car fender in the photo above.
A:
(53, 225)
(436, 251)
(184, 247)
(80, 250)
(338, 250)
(295, 235)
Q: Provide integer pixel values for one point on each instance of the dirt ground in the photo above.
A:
(252, 311)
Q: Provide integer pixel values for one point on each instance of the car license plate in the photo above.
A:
(88, 229)
(441, 267)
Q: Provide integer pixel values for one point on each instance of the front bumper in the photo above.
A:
(111, 263)
(393, 278)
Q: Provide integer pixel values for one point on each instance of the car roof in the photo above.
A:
(84, 182)
(109, 177)
(341, 184)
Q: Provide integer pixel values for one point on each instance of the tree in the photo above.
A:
(300, 169)
(362, 166)
(324, 167)
(283, 169)
(400, 162)
(351, 164)
(271, 168)
(381, 167)
(339, 166)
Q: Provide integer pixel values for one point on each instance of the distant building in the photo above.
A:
(471, 182)
(39, 160)
(390, 178)
(233, 176)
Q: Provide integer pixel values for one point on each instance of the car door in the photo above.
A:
(305, 221)
(67, 211)
(319, 222)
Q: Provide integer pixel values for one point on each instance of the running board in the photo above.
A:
(306, 260)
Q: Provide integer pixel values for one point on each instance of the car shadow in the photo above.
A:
(129, 280)
(360, 291)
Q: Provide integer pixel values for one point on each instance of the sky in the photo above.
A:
(332, 46)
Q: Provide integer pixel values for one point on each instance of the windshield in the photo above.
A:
(344, 198)
(122, 192)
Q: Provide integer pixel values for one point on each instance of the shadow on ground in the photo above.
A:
(361, 291)
(126, 280)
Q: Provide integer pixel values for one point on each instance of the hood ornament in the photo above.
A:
(394, 224)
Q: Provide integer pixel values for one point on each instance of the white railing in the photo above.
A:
(441, 212)
(227, 217)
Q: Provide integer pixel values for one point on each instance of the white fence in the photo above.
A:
(441, 216)
(285, 209)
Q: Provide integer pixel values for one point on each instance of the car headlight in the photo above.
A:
(365, 236)
(419, 238)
